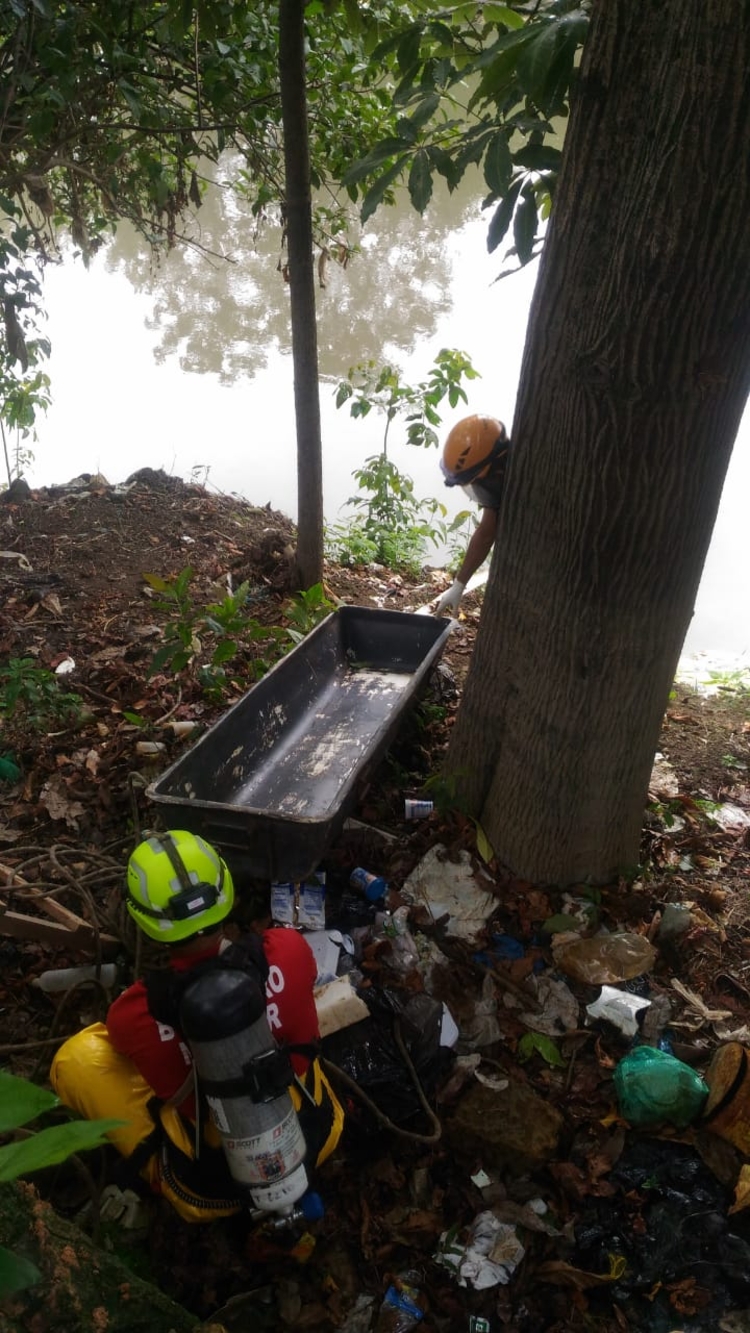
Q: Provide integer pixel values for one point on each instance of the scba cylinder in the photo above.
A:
(245, 1076)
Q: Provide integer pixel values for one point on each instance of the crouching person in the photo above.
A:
(139, 1068)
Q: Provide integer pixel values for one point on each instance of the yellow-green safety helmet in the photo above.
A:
(177, 885)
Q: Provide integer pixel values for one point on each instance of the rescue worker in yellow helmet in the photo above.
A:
(137, 1068)
(475, 457)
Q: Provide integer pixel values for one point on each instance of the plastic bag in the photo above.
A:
(653, 1088)
(400, 1311)
(369, 1054)
(603, 960)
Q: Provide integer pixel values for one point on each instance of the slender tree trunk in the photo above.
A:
(302, 291)
(634, 379)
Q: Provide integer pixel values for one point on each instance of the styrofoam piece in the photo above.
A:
(338, 1006)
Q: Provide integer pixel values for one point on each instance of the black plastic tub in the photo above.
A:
(274, 779)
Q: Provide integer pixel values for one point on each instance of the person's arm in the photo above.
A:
(476, 552)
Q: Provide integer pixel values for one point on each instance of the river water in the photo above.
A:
(187, 367)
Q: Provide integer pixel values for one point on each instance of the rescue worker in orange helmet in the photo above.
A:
(475, 457)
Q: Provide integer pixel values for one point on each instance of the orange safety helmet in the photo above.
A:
(473, 445)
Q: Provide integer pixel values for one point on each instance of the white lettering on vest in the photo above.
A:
(272, 1014)
(166, 1033)
(275, 982)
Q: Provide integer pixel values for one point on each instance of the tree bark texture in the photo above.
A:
(302, 291)
(82, 1288)
(634, 378)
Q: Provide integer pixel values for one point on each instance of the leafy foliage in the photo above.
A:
(395, 524)
(218, 642)
(484, 86)
(112, 112)
(31, 697)
(20, 1102)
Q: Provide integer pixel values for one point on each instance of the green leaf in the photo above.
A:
(407, 53)
(524, 226)
(381, 153)
(555, 925)
(484, 846)
(135, 719)
(156, 582)
(501, 218)
(498, 164)
(424, 110)
(21, 1101)
(16, 1273)
(53, 1145)
(535, 1043)
(538, 157)
(375, 195)
(420, 181)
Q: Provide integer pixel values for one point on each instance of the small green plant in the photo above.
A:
(731, 761)
(21, 1102)
(394, 526)
(205, 638)
(306, 610)
(733, 682)
(535, 1043)
(31, 697)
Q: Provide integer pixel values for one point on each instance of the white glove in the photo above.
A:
(450, 599)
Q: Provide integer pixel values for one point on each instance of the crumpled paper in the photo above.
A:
(490, 1254)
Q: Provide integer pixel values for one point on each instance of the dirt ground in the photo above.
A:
(79, 581)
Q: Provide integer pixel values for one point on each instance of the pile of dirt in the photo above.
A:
(83, 572)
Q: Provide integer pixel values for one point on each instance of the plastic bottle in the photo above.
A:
(374, 887)
(404, 955)
(654, 1088)
(63, 978)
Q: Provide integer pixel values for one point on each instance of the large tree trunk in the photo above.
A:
(634, 379)
(82, 1288)
(302, 291)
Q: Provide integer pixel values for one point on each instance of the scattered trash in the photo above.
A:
(399, 1311)
(374, 887)
(558, 1006)
(731, 818)
(326, 946)
(679, 1261)
(654, 1088)
(338, 1006)
(359, 1318)
(300, 904)
(63, 978)
(481, 1027)
(418, 809)
(490, 1254)
(698, 1014)
(150, 747)
(663, 784)
(619, 1008)
(65, 667)
(452, 889)
(184, 728)
(675, 921)
(603, 960)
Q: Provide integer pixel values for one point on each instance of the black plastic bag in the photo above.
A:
(368, 1051)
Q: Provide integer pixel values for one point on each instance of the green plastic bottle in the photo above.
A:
(655, 1088)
